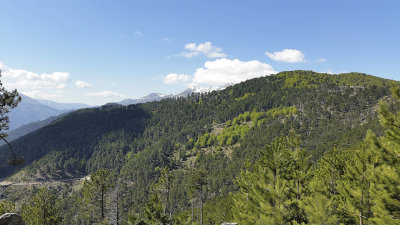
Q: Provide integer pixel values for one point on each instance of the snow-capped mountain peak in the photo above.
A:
(199, 89)
(160, 96)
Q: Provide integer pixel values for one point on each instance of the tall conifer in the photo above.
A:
(271, 189)
(387, 173)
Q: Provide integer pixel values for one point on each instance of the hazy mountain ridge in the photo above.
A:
(63, 106)
(30, 127)
(34, 110)
(30, 110)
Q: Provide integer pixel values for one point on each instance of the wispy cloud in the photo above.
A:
(82, 84)
(287, 55)
(206, 48)
(173, 78)
(321, 60)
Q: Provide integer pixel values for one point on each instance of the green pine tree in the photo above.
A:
(8, 101)
(270, 190)
(43, 209)
(163, 188)
(154, 211)
(325, 205)
(197, 188)
(318, 209)
(158, 208)
(134, 219)
(300, 174)
(387, 172)
(355, 186)
(94, 193)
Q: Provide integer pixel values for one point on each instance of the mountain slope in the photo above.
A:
(318, 96)
(63, 106)
(147, 98)
(32, 110)
(28, 128)
(29, 110)
(218, 132)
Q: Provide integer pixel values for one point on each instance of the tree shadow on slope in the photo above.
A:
(76, 134)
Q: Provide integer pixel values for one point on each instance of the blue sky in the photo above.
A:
(103, 51)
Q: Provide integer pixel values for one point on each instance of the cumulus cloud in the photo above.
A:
(225, 71)
(105, 94)
(61, 86)
(36, 85)
(173, 78)
(287, 55)
(206, 48)
(82, 84)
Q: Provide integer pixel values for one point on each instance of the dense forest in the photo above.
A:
(298, 147)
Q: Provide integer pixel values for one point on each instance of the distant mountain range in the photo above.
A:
(62, 106)
(158, 96)
(28, 128)
(32, 110)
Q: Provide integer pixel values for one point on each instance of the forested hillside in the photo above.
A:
(160, 161)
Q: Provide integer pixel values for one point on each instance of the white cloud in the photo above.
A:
(105, 94)
(61, 86)
(36, 85)
(82, 84)
(27, 79)
(173, 78)
(203, 48)
(138, 33)
(321, 60)
(226, 71)
(287, 55)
